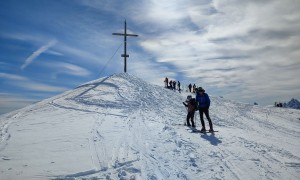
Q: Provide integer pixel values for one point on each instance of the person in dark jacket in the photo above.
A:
(194, 88)
(171, 84)
(191, 108)
(174, 85)
(190, 87)
(203, 105)
(166, 82)
(178, 85)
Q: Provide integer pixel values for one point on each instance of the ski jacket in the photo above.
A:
(203, 101)
(166, 80)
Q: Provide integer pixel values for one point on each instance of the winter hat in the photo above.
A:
(188, 98)
(200, 89)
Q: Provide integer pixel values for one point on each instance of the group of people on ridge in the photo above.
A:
(194, 88)
(172, 84)
(201, 103)
(278, 104)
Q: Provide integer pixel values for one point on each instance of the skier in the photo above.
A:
(178, 84)
(171, 84)
(203, 105)
(174, 85)
(166, 82)
(191, 107)
(190, 87)
(194, 88)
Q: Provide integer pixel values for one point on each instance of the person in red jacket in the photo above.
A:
(191, 107)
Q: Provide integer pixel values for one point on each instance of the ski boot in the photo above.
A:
(203, 130)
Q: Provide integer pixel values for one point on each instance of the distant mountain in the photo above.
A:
(293, 103)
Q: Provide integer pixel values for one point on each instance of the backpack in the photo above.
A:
(193, 103)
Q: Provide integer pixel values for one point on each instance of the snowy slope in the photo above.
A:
(121, 127)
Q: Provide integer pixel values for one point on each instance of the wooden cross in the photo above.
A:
(125, 55)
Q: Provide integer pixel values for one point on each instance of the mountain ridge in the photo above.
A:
(121, 127)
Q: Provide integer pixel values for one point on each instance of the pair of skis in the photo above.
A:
(194, 130)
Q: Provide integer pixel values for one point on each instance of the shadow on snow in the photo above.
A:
(212, 139)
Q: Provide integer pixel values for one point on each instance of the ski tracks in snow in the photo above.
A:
(133, 147)
(128, 129)
(255, 132)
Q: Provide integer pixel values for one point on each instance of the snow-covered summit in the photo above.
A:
(121, 127)
(293, 103)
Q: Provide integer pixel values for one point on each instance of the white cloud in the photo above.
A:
(149, 71)
(12, 77)
(34, 86)
(242, 48)
(10, 102)
(238, 48)
(56, 53)
(35, 54)
(252, 45)
(27, 84)
(67, 68)
(78, 53)
(21, 36)
(73, 69)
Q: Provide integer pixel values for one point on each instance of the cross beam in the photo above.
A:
(125, 55)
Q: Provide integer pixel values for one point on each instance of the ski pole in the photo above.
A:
(195, 119)
(186, 112)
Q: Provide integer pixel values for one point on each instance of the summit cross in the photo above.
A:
(125, 55)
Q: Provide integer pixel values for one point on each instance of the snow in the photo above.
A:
(121, 127)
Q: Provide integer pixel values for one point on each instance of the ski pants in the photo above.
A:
(206, 112)
(189, 116)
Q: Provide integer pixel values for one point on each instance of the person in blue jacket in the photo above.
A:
(203, 105)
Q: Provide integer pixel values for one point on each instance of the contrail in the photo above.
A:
(38, 52)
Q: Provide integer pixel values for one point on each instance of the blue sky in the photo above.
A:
(247, 51)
